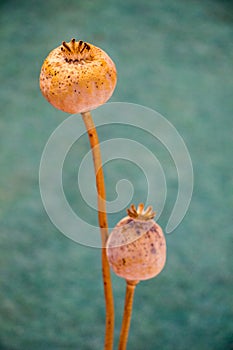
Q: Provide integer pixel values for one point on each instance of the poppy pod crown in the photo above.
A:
(77, 77)
(136, 248)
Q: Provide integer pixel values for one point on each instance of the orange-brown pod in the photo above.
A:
(77, 77)
(136, 248)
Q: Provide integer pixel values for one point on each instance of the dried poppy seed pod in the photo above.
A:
(77, 77)
(136, 248)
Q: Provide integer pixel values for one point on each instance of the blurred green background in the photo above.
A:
(176, 58)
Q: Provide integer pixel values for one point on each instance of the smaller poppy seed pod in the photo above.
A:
(136, 248)
(77, 77)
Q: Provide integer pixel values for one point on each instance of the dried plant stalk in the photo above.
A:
(103, 223)
(129, 296)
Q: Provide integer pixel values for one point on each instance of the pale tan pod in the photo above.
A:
(136, 248)
(77, 77)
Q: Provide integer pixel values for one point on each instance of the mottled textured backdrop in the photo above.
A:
(176, 58)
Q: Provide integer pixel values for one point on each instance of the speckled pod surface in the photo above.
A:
(136, 249)
(77, 77)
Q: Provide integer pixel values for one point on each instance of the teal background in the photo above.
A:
(176, 58)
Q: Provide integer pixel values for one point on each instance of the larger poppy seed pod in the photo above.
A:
(136, 248)
(77, 77)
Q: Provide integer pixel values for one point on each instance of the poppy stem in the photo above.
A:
(128, 308)
(103, 224)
